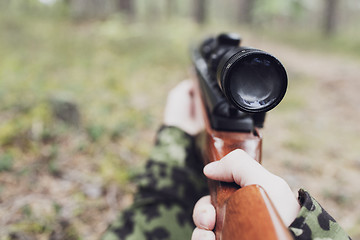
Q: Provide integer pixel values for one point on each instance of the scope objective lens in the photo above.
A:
(252, 79)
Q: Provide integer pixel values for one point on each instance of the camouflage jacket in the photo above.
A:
(313, 222)
(171, 184)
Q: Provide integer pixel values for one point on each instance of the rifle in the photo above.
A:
(238, 85)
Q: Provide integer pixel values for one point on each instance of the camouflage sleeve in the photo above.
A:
(313, 222)
(168, 189)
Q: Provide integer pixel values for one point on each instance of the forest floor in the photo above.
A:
(65, 174)
(319, 137)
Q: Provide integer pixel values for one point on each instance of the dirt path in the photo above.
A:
(327, 160)
(338, 73)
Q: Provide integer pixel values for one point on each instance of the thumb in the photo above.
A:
(242, 169)
(238, 167)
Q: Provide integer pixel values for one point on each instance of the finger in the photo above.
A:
(238, 167)
(181, 110)
(178, 103)
(186, 86)
(196, 111)
(201, 234)
(204, 214)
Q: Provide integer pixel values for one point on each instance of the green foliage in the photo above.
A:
(6, 162)
(111, 169)
(298, 143)
(112, 71)
(26, 211)
(343, 44)
(95, 132)
(24, 125)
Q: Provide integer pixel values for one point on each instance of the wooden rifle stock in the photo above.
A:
(242, 213)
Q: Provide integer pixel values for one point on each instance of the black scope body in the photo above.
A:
(252, 80)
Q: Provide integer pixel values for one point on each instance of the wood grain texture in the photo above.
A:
(241, 213)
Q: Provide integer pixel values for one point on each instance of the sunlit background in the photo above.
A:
(83, 84)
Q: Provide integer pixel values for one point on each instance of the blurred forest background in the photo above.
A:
(83, 84)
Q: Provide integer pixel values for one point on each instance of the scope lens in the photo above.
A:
(256, 82)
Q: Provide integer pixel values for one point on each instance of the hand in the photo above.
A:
(183, 108)
(240, 168)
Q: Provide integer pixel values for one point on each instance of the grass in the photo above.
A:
(110, 71)
(344, 43)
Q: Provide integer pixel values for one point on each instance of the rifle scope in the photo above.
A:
(251, 79)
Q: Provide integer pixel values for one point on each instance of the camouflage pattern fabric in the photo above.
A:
(313, 222)
(171, 184)
(167, 192)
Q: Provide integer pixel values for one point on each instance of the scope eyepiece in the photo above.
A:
(251, 79)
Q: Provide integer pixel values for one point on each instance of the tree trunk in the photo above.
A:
(5, 4)
(245, 11)
(200, 13)
(330, 16)
(171, 8)
(128, 8)
(88, 9)
(152, 11)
